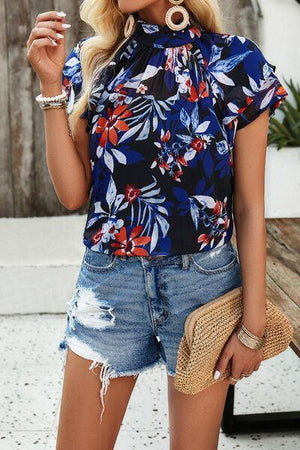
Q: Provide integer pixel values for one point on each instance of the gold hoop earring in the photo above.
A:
(129, 25)
(175, 9)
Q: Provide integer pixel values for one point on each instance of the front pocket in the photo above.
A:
(98, 261)
(217, 260)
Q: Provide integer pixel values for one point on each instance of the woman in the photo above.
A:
(159, 103)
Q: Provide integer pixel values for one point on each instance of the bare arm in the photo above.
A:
(67, 160)
(248, 209)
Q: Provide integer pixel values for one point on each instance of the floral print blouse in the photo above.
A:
(162, 119)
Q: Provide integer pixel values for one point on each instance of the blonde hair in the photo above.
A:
(108, 22)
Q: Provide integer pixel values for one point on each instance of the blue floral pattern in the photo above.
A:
(162, 119)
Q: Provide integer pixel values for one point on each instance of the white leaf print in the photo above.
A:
(154, 237)
(98, 208)
(266, 100)
(232, 107)
(267, 70)
(186, 138)
(151, 71)
(202, 127)
(253, 84)
(149, 186)
(151, 193)
(164, 225)
(162, 210)
(155, 122)
(72, 61)
(130, 132)
(208, 201)
(247, 92)
(99, 151)
(154, 200)
(119, 156)
(228, 64)
(242, 39)
(222, 78)
(190, 154)
(194, 213)
(145, 131)
(185, 118)
(195, 117)
(91, 221)
(215, 54)
(123, 206)
(109, 161)
(118, 200)
(111, 192)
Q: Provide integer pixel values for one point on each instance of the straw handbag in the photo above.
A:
(206, 331)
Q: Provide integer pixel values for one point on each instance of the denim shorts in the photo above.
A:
(127, 314)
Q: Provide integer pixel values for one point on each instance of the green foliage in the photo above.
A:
(287, 132)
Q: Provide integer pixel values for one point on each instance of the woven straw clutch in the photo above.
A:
(206, 331)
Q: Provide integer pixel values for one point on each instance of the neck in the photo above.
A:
(155, 14)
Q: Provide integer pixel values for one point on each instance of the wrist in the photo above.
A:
(256, 327)
(49, 90)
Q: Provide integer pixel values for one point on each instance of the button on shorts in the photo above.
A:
(127, 314)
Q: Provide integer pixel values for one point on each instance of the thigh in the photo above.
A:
(195, 420)
(79, 421)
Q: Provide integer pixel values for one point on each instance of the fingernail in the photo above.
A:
(53, 41)
(66, 25)
(61, 14)
(217, 375)
(60, 36)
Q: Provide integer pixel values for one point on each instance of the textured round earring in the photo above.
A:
(129, 25)
(175, 9)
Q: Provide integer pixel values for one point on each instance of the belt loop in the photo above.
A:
(185, 261)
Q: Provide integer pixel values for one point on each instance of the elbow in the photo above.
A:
(74, 204)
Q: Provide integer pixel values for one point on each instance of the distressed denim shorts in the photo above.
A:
(127, 314)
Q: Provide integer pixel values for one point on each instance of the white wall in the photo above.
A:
(280, 37)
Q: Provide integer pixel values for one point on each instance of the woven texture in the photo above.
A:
(207, 330)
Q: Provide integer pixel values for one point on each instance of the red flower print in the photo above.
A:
(204, 238)
(198, 144)
(131, 246)
(202, 92)
(97, 236)
(281, 91)
(131, 193)
(217, 208)
(181, 160)
(67, 84)
(249, 100)
(195, 31)
(109, 126)
(165, 137)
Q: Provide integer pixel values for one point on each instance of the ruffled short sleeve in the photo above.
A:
(253, 86)
(72, 80)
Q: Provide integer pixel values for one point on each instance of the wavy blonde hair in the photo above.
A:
(108, 22)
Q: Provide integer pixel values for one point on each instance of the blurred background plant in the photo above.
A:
(286, 133)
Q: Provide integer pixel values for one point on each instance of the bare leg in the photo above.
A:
(79, 422)
(195, 420)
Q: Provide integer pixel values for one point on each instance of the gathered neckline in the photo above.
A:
(158, 35)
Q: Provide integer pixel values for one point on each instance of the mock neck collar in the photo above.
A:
(157, 35)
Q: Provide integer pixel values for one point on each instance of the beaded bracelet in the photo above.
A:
(57, 101)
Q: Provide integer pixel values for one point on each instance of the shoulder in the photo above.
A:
(227, 52)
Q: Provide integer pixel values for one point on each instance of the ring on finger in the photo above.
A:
(246, 374)
(234, 379)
